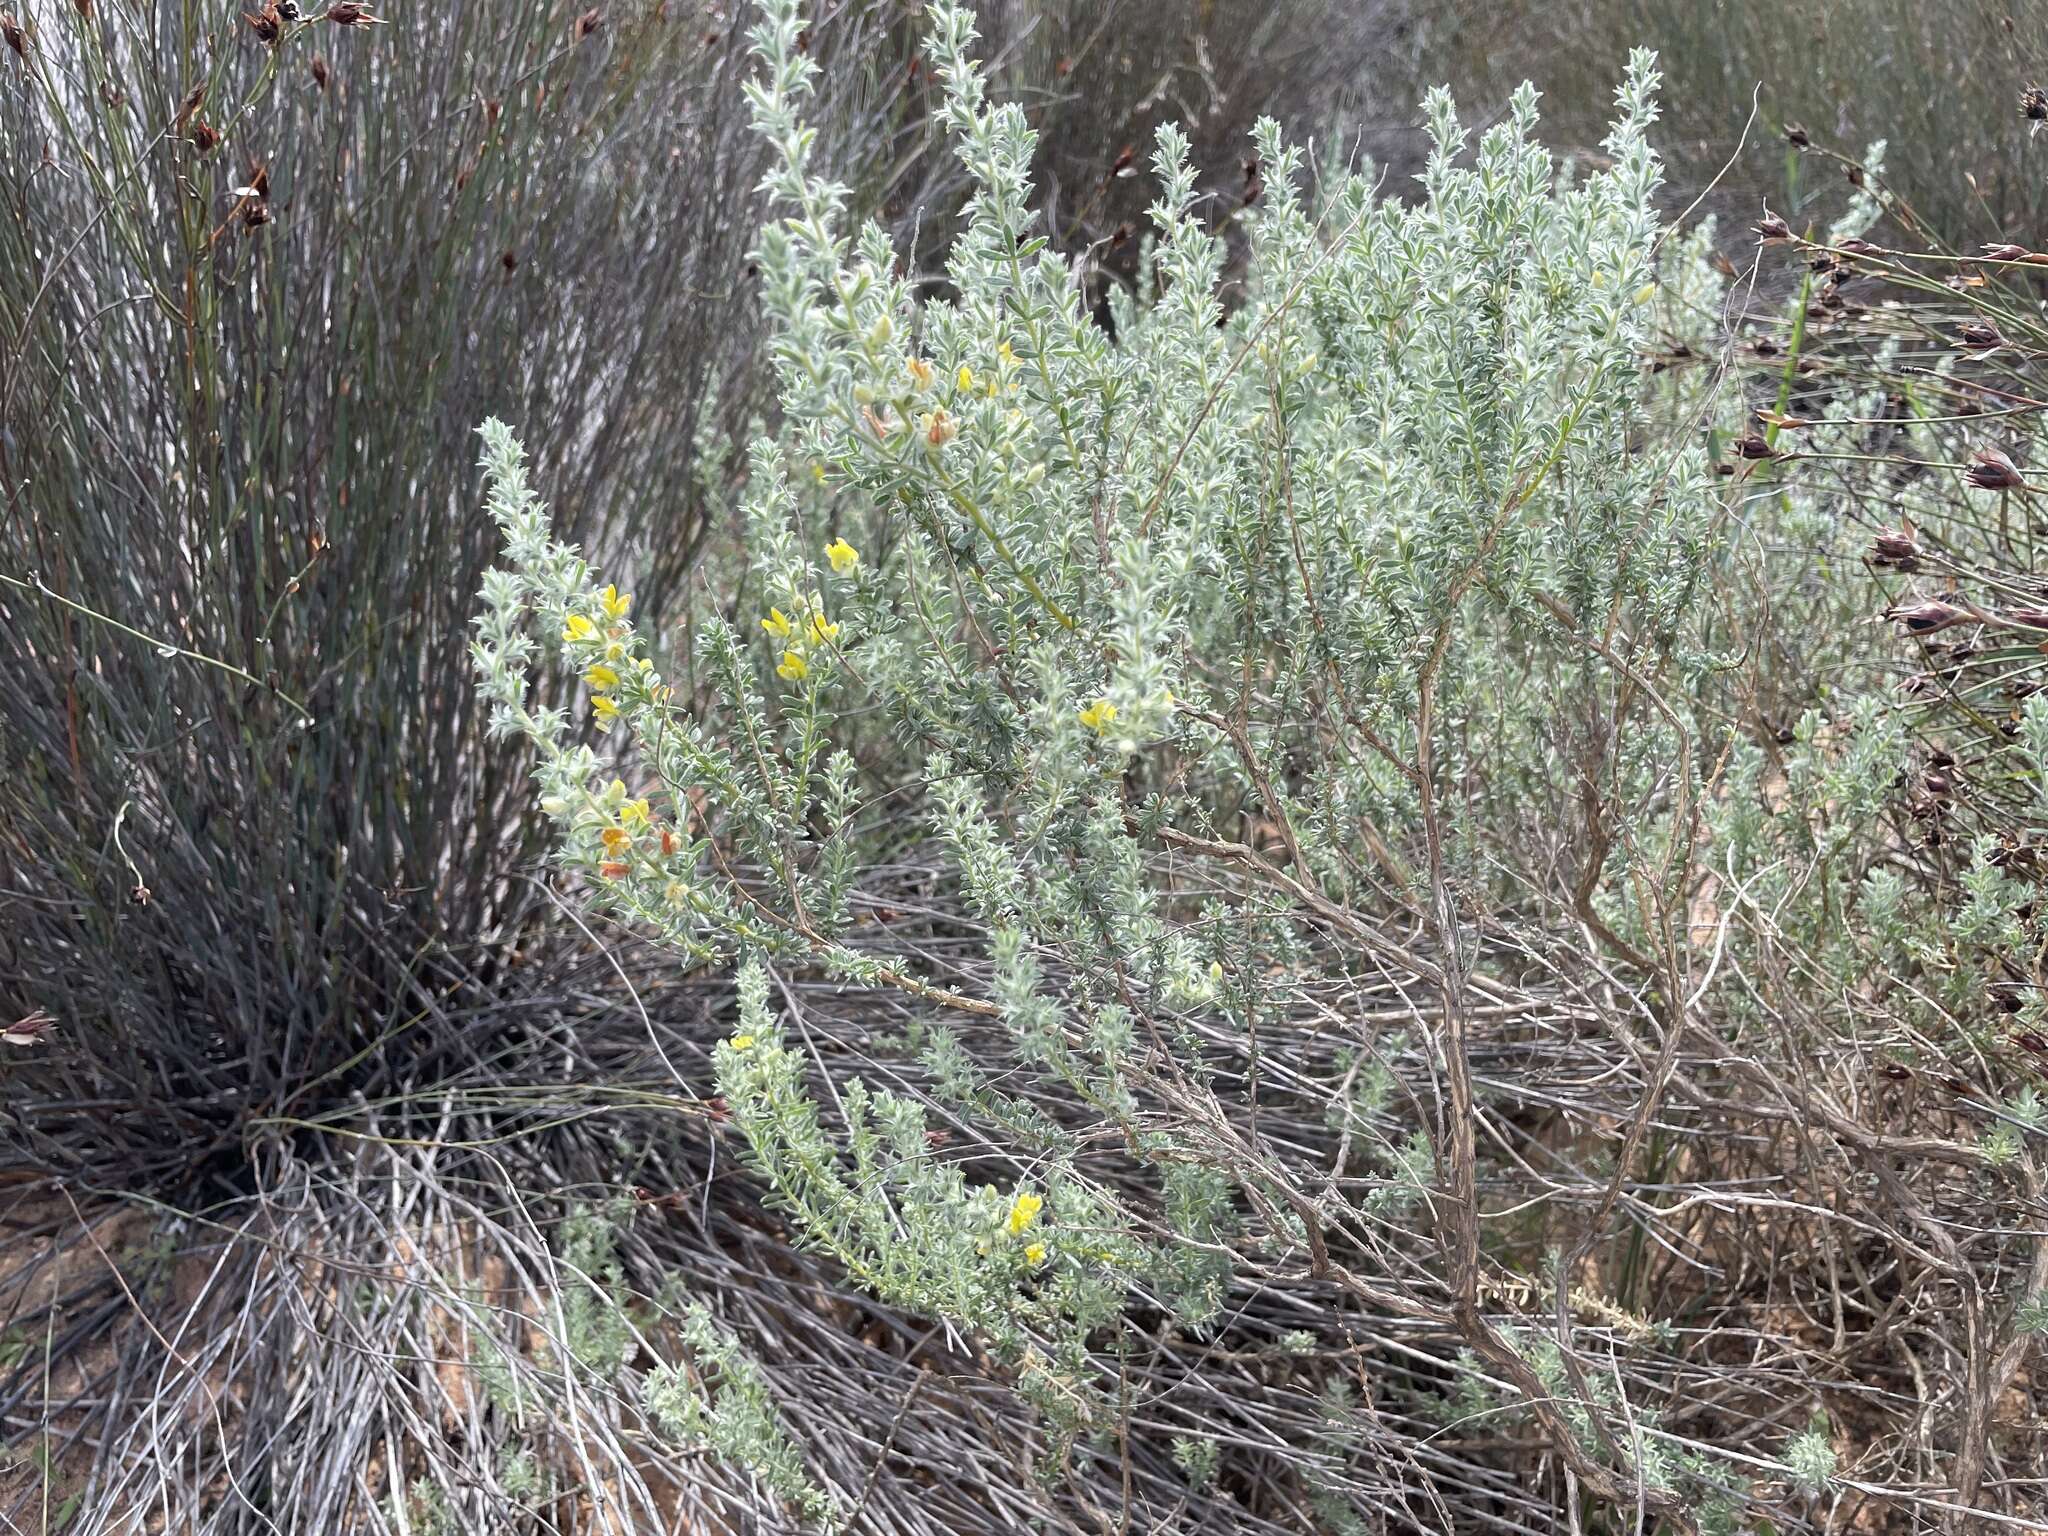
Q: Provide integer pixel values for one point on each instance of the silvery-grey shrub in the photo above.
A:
(1200, 642)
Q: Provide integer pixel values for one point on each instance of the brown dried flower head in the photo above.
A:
(1993, 470)
(1930, 617)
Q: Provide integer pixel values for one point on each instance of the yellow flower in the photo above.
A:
(818, 473)
(822, 629)
(616, 840)
(1646, 293)
(793, 668)
(578, 628)
(777, 623)
(1099, 716)
(1035, 1254)
(615, 606)
(920, 372)
(1023, 1211)
(743, 1042)
(844, 556)
(939, 428)
(966, 378)
(605, 709)
(1006, 354)
(635, 813)
(601, 676)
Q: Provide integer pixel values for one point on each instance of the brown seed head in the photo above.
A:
(1772, 228)
(318, 68)
(16, 38)
(1992, 470)
(1929, 617)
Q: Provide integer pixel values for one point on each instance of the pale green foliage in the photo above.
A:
(721, 1401)
(1810, 1457)
(520, 1474)
(1343, 556)
(2031, 1316)
(1410, 424)
(424, 1510)
(1198, 1459)
(1471, 1401)
(596, 1333)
